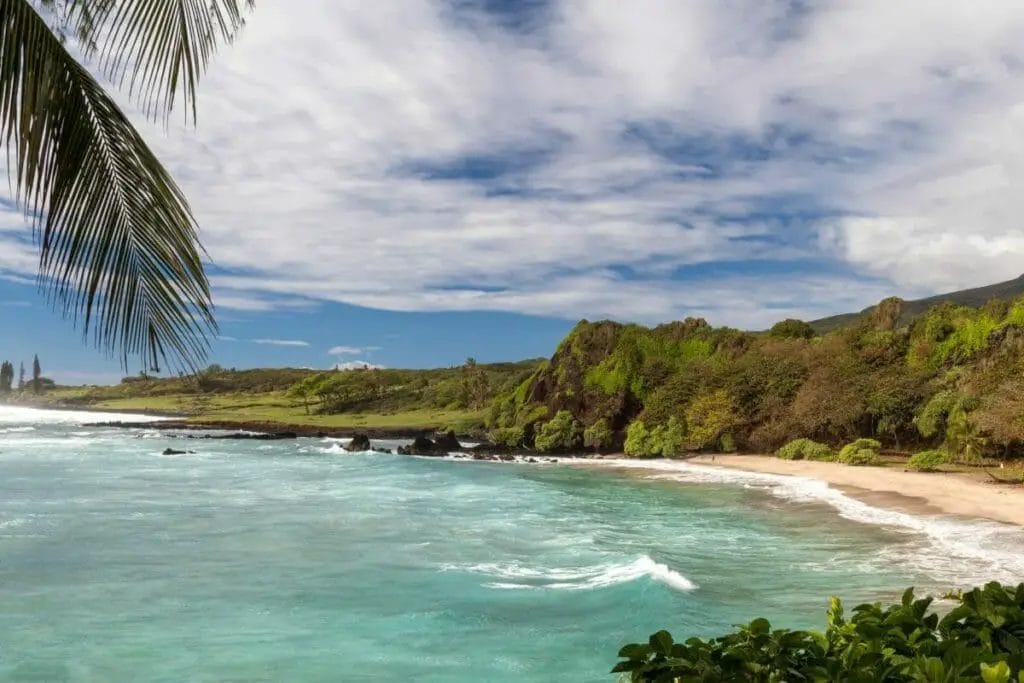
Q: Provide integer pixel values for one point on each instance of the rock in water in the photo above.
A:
(171, 451)
(421, 445)
(446, 443)
(360, 443)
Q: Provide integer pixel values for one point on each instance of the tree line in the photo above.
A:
(36, 384)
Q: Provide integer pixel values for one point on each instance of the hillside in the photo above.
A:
(953, 378)
(1011, 289)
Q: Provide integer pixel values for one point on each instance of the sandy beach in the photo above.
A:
(916, 492)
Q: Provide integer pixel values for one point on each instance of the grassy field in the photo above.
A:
(271, 407)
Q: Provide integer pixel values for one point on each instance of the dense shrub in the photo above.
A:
(708, 417)
(805, 449)
(928, 461)
(860, 452)
(598, 435)
(667, 440)
(978, 641)
(560, 433)
(791, 328)
(511, 437)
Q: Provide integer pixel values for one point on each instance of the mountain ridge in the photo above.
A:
(974, 297)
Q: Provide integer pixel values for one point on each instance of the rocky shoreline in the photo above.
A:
(422, 442)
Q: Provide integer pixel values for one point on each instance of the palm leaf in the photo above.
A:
(119, 247)
(159, 47)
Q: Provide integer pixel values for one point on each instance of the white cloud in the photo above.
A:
(351, 350)
(642, 138)
(280, 342)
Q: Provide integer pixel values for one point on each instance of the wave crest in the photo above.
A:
(580, 578)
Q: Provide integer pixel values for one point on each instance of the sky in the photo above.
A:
(409, 183)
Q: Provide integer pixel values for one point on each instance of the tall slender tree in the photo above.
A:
(37, 374)
(21, 376)
(6, 377)
(119, 250)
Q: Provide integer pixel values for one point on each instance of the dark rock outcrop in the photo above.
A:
(360, 443)
(173, 451)
(442, 444)
(447, 442)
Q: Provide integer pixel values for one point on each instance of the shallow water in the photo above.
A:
(291, 561)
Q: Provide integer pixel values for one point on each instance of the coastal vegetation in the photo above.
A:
(981, 639)
(375, 398)
(947, 382)
(949, 378)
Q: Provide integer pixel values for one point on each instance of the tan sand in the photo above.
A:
(917, 492)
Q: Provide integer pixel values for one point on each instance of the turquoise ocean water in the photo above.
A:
(292, 561)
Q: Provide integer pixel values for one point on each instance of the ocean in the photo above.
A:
(296, 561)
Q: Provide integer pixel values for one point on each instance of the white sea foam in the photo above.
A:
(37, 416)
(953, 549)
(579, 578)
(17, 430)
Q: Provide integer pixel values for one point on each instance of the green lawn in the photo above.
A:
(267, 407)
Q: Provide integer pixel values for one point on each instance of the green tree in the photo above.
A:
(560, 433)
(791, 328)
(6, 377)
(598, 435)
(637, 439)
(21, 376)
(709, 417)
(305, 390)
(37, 373)
(119, 244)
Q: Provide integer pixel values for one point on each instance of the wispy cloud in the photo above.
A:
(280, 342)
(351, 350)
(266, 342)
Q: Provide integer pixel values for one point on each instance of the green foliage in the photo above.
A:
(932, 418)
(598, 436)
(119, 245)
(791, 328)
(928, 461)
(978, 641)
(561, 433)
(708, 417)
(6, 377)
(806, 449)
(637, 443)
(663, 441)
(510, 437)
(860, 452)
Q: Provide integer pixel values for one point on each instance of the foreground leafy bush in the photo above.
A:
(928, 461)
(860, 452)
(805, 449)
(980, 640)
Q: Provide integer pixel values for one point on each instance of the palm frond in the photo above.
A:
(119, 246)
(160, 48)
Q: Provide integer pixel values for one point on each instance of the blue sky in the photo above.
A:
(421, 180)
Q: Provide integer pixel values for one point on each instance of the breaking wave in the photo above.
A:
(515, 576)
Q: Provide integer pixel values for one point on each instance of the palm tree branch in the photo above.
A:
(159, 48)
(119, 247)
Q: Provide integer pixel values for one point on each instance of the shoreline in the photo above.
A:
(918, 493)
